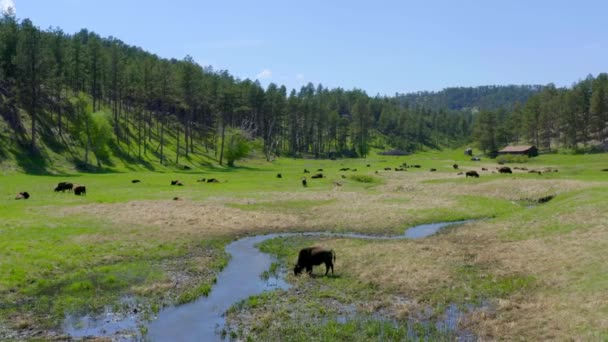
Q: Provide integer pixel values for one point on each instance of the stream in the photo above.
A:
(203, 319)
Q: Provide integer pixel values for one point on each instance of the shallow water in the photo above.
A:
(203, 319)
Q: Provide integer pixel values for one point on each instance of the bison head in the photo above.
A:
(297, 270)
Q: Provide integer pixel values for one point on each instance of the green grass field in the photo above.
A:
(537, 265)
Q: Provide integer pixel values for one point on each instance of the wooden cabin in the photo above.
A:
(527, 150)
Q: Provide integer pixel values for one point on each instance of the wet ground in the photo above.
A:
(203, 319)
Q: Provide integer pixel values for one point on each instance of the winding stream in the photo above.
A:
(203, 319)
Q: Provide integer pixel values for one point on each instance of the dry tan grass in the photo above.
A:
(564, 302)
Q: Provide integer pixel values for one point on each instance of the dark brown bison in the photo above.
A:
(304, 183)
(317, 176)
(212, 180)
(387, 169)
(63, 186)
(279, 175)
(202, 180)
(80, 190)
(433, 170)
(174, 182)
(484, 169)
(345, 169)
(306, 171)
(135, 181)
(22, 195)
(505, 169)
(455, 166)
(319, 170)
(472, 174)
(312, 256)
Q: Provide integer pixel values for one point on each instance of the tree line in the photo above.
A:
(94, 92)
(574, 118)
(50, 74)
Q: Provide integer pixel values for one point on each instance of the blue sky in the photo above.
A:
(379, 46)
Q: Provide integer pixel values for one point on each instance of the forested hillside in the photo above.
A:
(471, 98)
(93, 102)
(91, 99)
(573, 118)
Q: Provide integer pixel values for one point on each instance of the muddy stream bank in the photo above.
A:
(203, 319)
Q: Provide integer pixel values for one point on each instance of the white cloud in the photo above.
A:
(299, 76)
(6, 4)
(266, 73)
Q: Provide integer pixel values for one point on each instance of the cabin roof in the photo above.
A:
(522, 148)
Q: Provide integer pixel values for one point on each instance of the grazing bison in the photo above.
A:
(202, 180)
(63, 186)
(22, 195)
(212, 180)
(80, 190)
(484, 169)
(505, 169)
(605, 170)
(317, 176)
(354, 170)
(472, 174)
(433, 170)
(387, 169)
(174, 182)
(279, 175)
(455, 166)
(306, 171)
(312, 256)
(416, 166)
(135, 181)
(304, 183)
(369, 165)
(319, 170)
(345, 169)
(475, 159)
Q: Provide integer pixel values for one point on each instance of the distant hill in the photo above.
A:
(468, 98)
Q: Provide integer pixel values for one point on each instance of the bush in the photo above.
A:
(512, 158)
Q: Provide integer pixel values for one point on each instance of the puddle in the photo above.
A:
(203, 319)
(117, 327)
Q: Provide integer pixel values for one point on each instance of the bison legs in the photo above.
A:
(328, 265)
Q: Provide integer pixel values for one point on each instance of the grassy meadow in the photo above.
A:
(537, 271)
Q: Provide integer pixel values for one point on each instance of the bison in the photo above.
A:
(317, 176)
(455, 166)
(22, 195)
(306, 171)
(279, 175)
(135, 181)
(80, 190)
(312, 256)
(174, 182)
(472, 174)
(505, 169)
(212, 180)
(304, 183)
(63, 186)
(433, 170)
(345, 169)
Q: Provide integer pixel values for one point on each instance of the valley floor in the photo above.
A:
(537, 271)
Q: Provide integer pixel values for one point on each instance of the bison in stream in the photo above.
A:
(312, 256)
